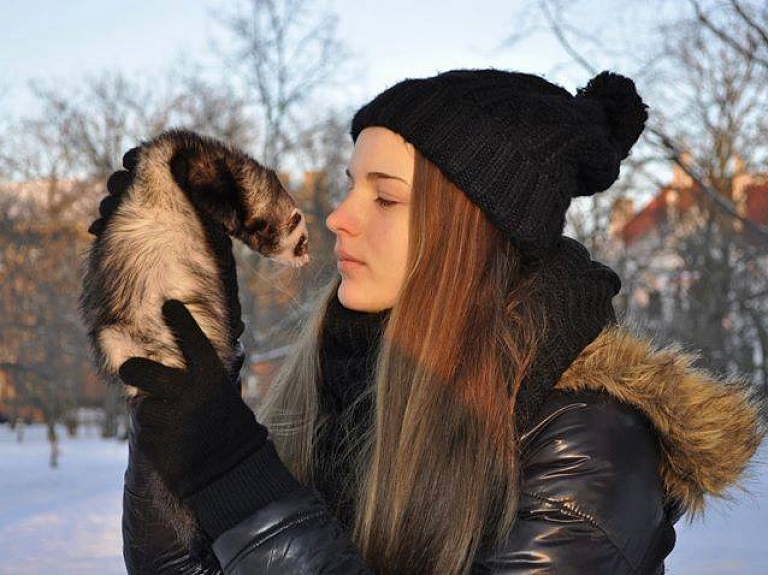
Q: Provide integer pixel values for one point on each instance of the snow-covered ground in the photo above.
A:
(67, 520)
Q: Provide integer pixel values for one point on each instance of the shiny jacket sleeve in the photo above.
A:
(150, 545)
(591, 495)
(591, 502)
(295, 534)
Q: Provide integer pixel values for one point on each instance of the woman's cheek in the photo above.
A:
(396, 259)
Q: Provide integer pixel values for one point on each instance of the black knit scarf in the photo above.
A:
(348, 350)
(577, 303)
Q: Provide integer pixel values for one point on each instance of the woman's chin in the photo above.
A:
(358, 298)
(348, 295)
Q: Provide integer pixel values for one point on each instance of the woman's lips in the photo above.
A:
(348, 265)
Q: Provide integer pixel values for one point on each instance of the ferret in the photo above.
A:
(155, 246)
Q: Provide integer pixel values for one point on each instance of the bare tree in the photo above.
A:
(84, 130)
(326, 147)
(43, 350)
(723, 121)
(211, 107)
(740, 25)
(64, 155)
(5, 154)
(708, 118)
(285, 55)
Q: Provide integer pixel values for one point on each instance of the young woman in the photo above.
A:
(463, 399)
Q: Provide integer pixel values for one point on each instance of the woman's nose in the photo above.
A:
(330, 221)
(341, 219)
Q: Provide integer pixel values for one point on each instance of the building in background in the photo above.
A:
(652, 236)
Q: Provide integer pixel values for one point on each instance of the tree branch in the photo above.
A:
(557, 29)
(725, 37)
(675, 154)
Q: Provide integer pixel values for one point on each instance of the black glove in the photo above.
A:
(117, 184)
(197, 432)
(194, 426)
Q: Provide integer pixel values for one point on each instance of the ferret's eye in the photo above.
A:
(257, 225)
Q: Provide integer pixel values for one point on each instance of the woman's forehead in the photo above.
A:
(382, 150)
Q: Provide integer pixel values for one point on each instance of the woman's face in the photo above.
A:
(371, 224)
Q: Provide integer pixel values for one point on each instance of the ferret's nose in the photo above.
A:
(301, 247)
(295, 248)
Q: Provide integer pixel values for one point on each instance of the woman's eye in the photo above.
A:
(384, 203)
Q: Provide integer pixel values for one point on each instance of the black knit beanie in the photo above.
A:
(519, 146)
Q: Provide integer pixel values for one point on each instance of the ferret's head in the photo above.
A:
(246, 198)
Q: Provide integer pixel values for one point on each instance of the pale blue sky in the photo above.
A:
(62, 42)
(392, 39)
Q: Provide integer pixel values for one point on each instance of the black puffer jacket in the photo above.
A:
(632, 438)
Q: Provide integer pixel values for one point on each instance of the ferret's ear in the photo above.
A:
(210, 186)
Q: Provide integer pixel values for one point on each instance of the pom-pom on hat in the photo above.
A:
(519, 146)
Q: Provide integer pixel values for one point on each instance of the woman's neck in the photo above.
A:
(349, 346)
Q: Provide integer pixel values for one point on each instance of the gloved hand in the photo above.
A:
(117, 184)
(197, 432)
(193, 425)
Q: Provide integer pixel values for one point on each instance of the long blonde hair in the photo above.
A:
(439, 466)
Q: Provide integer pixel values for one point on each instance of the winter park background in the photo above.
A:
(686, 225)
(67, 520)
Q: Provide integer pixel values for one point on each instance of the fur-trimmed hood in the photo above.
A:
(709, 428)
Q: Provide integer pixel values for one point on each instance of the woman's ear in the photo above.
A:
(210, 186)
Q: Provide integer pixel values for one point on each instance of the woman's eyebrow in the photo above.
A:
(377, 176)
